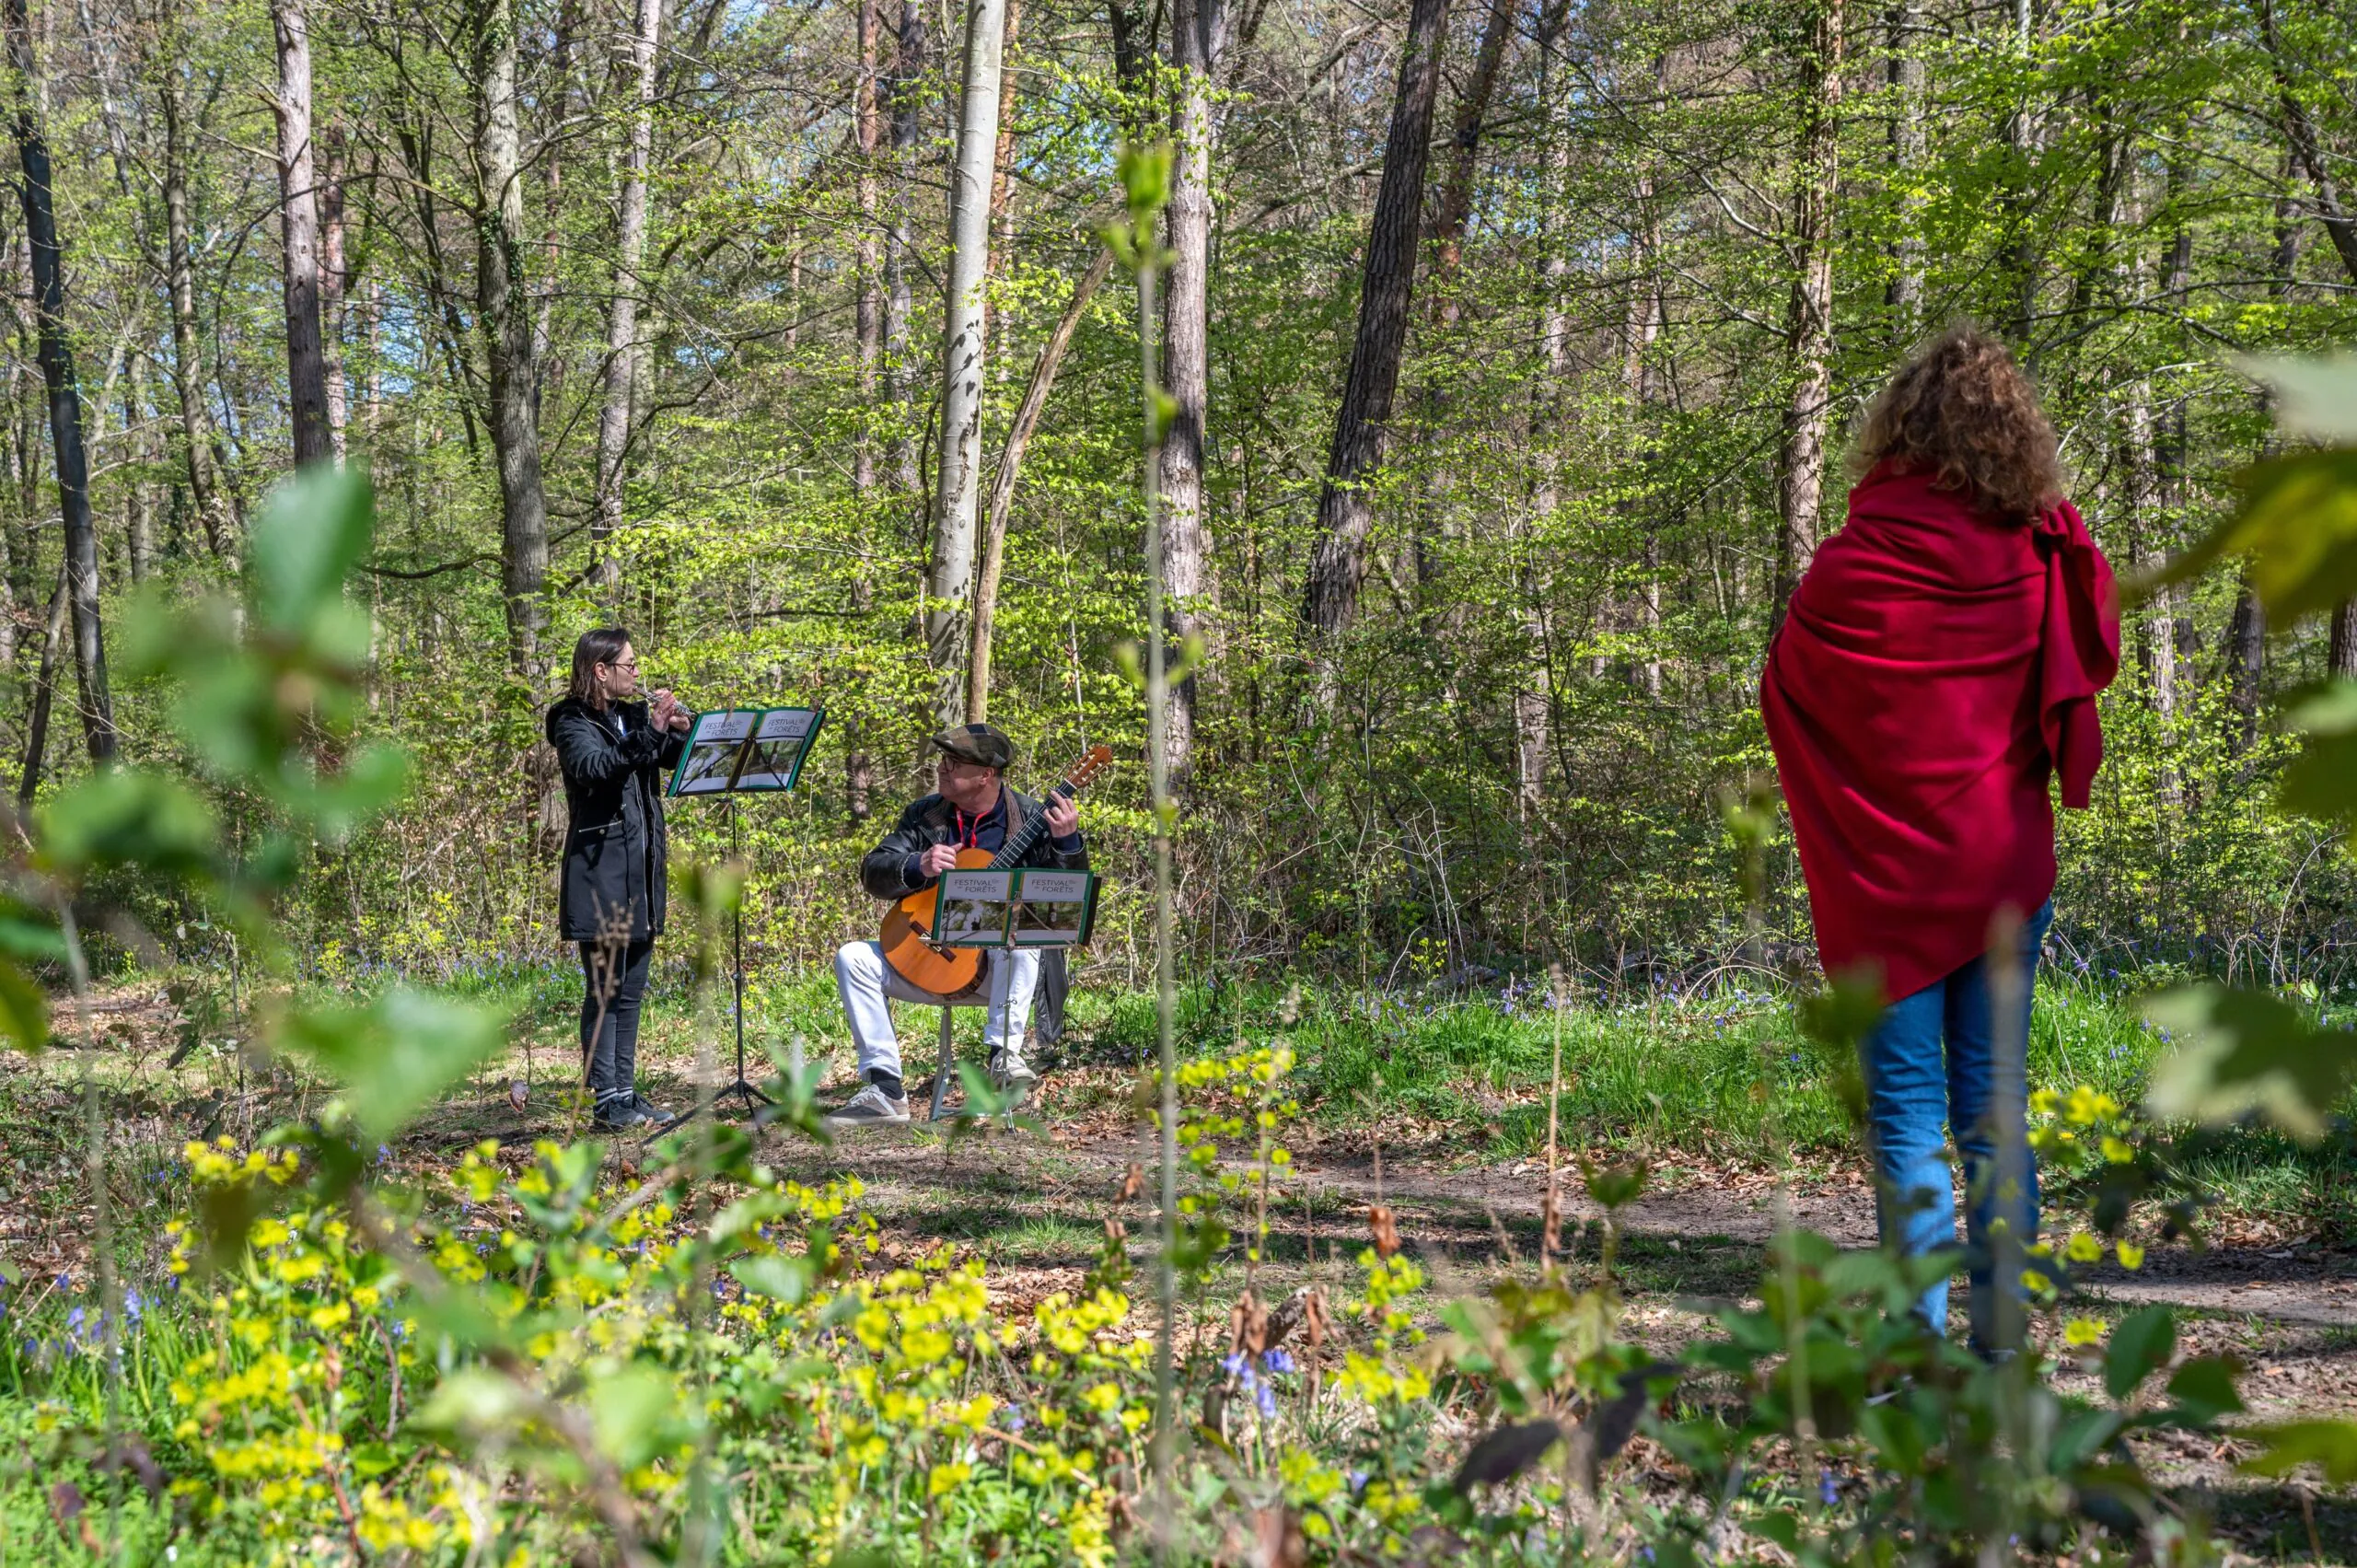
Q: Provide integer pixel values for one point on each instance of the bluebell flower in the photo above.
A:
(1266, 1399)
(1358, 1481)
(131, 1305)
(1235, 1365)
(1278, 1361)
(1825, 1490)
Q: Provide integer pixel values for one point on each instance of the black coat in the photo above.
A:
(616, 857)
(933, 820)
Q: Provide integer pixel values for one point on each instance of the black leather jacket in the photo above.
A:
(932, 820)
(616, 856)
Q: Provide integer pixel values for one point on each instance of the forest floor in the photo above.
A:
(2271, 1288)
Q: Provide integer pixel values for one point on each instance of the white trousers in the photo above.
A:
(868, 985)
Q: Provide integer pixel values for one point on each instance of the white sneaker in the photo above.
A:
(1011, 1075)
(871, 1107)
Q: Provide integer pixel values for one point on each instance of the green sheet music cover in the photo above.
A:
(1028, 908)
(746, 750)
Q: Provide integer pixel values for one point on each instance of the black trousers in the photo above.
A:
(613, 979)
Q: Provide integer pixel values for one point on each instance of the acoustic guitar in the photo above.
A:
(907, 938)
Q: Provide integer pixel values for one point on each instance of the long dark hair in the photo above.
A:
(1963, 410)
(603, 645)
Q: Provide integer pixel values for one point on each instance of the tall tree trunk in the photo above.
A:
(549, 363)
(505, 306)
(2246, 661)
(859, 768)
(2340, 226)
(334, 286)
(299, 215)
(2307, 148)
(958, 477)
(1198, 39)
(1010, 463)
(868, 129)
(139, 522)
(1533, 687)
(1465, 143)
(372, 373)
(1809, 319)
(2246, 635)
(44, 699)
(2341, 654)
(64, 402)
(621, 319)
(909, 68)
(1337, 568)
(1002, 219)
(200, 454)
(1903, 72)
(2169, 490)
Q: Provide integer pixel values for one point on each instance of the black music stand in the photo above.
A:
(737, 955)
(740, 1086)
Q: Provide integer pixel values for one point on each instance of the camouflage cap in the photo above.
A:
(983, 744)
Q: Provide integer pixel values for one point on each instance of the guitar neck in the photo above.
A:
(1020, 844)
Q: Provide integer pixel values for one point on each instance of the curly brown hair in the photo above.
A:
(1965, 410)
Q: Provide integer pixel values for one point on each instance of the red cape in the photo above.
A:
(1935, 667)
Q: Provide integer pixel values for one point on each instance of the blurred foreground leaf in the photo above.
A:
(2330, 1445)
(2298, 525)
(396, 1055)
(1836, 1022)
(2322, 781)
(2242, 1051)
(2313, 397)
(24, 1010)
(128, 817)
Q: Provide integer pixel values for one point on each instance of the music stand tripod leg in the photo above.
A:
(948, 1061)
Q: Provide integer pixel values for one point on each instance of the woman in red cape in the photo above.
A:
(1938, 665)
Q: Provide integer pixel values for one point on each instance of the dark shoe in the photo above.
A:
(650, 1112)
(618, 1113)
(871, 1107)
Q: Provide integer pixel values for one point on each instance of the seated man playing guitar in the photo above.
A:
(973, 810)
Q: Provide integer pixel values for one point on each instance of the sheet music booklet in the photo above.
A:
(741, 750)
(1028, 907)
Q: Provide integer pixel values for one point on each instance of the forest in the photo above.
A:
(1395, 432)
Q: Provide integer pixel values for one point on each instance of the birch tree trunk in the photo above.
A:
(506, 318)
(1338, 566)
(299, 216)
(1198, 39)
(1809, 319)
(621, 318)
(958, 476)
(64, 401)
(204, 488)
(1904, 78)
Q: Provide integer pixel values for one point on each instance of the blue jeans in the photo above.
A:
(1913, 1088)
